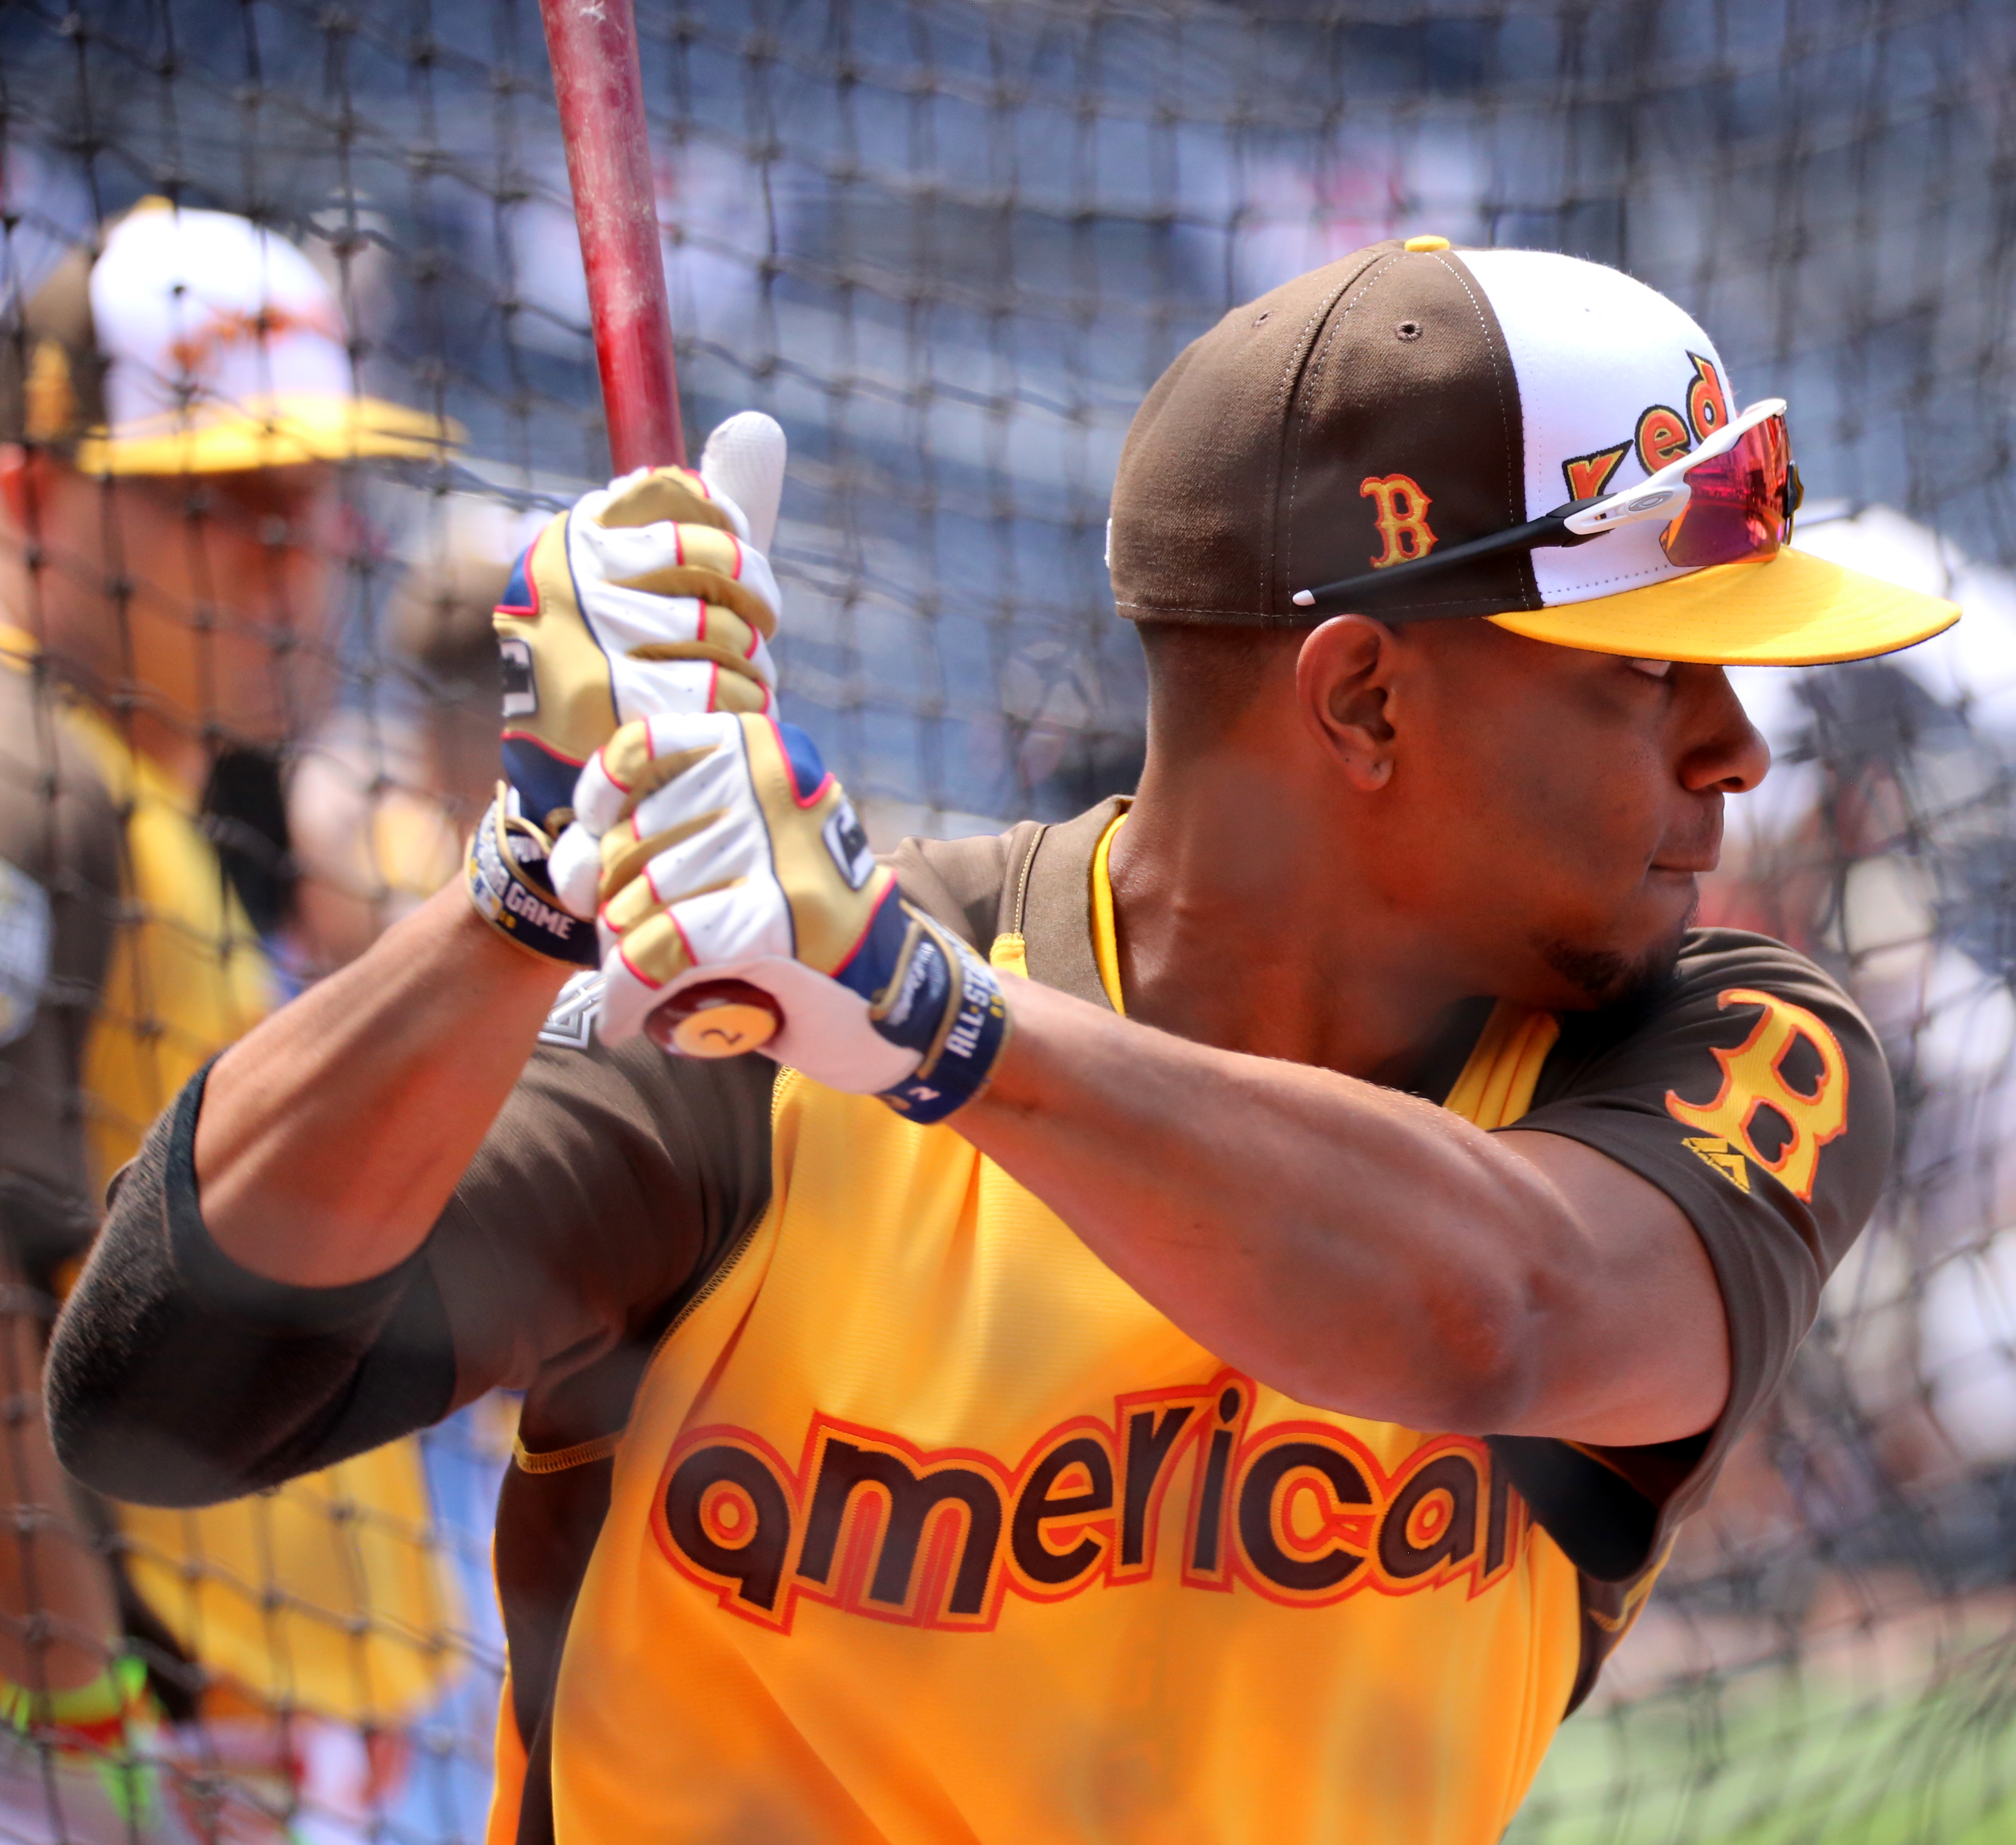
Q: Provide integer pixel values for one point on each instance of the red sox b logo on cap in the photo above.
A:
(1662, 436)
(1402, 518)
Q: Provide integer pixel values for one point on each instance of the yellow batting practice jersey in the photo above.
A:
(927, 1527)
(857, 1500)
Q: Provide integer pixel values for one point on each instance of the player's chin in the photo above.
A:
(1632, 958)
(1669, 900)
(1666, 905)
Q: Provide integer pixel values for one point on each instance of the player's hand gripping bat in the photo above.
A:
(599, 85)
(721, 847)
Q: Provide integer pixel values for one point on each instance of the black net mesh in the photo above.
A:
(949, 244)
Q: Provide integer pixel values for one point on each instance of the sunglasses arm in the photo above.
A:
(1664, 496)
(1552, 529)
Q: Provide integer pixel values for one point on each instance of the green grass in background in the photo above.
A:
(1788, 1755)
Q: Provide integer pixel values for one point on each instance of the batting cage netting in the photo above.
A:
(949, 244)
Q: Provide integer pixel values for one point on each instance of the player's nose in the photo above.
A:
(1721, 750)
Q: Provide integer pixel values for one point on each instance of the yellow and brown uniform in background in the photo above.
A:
(156, 969)
(856, 1500)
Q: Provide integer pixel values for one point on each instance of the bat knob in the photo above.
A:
(715, 1018)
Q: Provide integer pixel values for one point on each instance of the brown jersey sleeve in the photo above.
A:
(1753, 1093)
(611, 1182)
(611, 1186)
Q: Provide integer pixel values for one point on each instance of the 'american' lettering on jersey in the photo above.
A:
(1302, 1512)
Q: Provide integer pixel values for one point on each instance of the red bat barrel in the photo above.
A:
(598, 84)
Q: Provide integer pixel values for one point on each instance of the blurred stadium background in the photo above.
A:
(949, 243)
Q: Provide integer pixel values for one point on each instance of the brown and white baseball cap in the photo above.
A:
(1412, 395)
(194, 342)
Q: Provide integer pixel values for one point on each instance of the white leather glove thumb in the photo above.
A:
(744, 461)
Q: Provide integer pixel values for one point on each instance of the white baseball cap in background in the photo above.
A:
(197, 342)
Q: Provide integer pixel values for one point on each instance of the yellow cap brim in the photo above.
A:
(282, 431)
(1791, 609)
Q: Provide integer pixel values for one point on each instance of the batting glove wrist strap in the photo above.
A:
(508, 886)
(945, 1004)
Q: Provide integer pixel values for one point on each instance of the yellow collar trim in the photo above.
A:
(1496, 1085)
(1105, 934)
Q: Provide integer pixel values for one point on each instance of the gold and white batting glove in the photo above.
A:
(722, 849)
(652, 594)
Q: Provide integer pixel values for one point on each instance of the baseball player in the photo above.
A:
(1205, 1318)
(175, 405)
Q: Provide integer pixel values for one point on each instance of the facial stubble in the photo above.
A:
(1610, 976)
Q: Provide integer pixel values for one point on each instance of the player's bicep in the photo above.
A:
(1751, 1097)
(1639, 1352)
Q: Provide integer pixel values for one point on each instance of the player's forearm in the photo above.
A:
(333, 1135)
(1358, 1248)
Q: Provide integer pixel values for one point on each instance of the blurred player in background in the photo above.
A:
(1114, 1375)
(380, 800)
(175, 412)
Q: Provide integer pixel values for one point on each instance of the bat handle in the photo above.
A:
(715, 1018)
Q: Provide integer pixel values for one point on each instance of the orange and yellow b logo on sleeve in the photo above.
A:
(1753, 1077)
(1403, 518)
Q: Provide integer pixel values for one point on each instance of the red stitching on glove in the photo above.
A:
(623, 957)
(615, 781)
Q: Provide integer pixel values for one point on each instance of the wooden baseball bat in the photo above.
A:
(598, 84)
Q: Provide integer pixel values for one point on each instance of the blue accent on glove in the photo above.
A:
(872, 965)
(543, 780)
(517, 597)
(950, 1010)
(808, 770)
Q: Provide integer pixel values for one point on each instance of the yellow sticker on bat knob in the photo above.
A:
(715, 1018)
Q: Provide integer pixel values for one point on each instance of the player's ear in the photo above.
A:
(1341, 684)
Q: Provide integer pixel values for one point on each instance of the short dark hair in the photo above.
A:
(1203, 677)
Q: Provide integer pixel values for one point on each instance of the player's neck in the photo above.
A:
(1233, 933)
